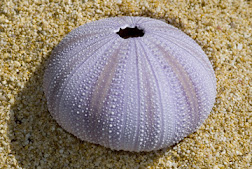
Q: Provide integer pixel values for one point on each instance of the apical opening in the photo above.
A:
(130, 32)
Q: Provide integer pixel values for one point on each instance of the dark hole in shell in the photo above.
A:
(130, 32)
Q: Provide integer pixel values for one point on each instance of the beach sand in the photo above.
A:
(31, 138)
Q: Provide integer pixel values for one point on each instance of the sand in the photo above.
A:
(31, 138)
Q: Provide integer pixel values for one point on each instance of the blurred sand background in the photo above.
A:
(30, 138)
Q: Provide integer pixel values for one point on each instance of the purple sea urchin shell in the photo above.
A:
(129, 83)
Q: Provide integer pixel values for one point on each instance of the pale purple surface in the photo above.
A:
(135, 94)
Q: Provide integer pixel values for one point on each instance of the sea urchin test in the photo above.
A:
(129, 83)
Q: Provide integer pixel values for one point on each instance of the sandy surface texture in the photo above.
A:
(30, 138)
